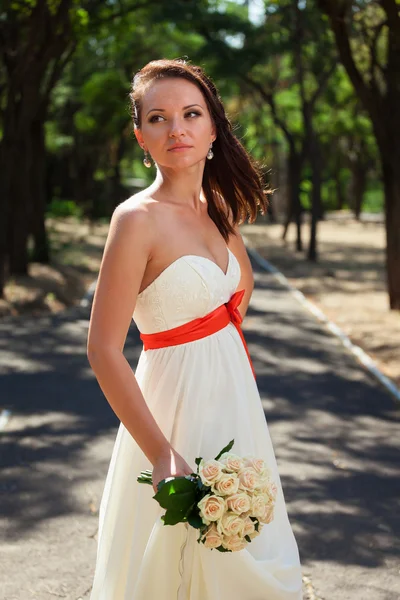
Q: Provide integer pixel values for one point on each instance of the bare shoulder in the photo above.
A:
(134, 220)
(134, 211)
(126, 254)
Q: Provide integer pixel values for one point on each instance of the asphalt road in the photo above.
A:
(335, 433)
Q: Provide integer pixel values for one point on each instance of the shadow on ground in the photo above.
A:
(334, 429)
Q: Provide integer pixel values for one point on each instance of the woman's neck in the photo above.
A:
(182, 186)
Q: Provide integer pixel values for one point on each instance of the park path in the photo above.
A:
(334, 429)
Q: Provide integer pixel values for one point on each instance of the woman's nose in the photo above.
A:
(177, 128)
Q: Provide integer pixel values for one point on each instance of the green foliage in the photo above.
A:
(374, 199)
(56, 141)
(226, 449)
(64, 208)
(176, 493)
(90, 114)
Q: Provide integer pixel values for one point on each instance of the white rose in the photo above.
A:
(210, 471)
(258, 464)
(230, 524)
(212, 537)
(274, 490)
(248, 479)
(211, 508)
(232, 462)
(226, 485)
(264, 483)
(267, 515)
(255, 532)
(239, 503)
(234, 543)
(258, 504)
(249, 527)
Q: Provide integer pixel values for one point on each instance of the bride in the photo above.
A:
(175, 262)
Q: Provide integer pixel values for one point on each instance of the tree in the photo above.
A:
(291, 50)
(37, 40)
(35, 45)
(367, 36)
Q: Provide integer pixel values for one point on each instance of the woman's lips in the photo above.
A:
(180, 149)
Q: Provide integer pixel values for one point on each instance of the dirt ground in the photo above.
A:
(77, 248)
(348, 282)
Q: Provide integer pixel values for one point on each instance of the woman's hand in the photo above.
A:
(169, 464)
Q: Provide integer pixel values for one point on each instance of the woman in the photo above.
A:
(173, 257)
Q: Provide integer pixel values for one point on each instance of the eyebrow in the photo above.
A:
(163, 110)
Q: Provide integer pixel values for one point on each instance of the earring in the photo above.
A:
(210, 153)
(146, 160)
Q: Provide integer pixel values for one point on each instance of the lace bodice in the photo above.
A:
(189, 288)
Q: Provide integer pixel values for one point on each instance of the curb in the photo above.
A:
(5, 416)
(358, 352)
(87, 298)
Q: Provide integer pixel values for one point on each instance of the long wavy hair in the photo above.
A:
(232, 180)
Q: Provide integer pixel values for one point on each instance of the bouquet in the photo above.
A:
(228, 500)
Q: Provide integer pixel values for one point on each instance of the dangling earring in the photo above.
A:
(210, 153)
(146, 160)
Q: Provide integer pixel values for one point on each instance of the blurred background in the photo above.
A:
(313, 90)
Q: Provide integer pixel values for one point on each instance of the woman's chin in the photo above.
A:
(182, 163)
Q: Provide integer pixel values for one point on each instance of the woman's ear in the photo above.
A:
(139, 136)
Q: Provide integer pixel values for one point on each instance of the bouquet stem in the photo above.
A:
(145, 477)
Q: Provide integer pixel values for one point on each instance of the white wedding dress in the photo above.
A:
(202, 394)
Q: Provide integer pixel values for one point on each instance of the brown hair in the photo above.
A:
(232, 174)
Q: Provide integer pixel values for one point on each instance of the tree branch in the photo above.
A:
(392, 9)
(269, 98)
(322, 84)
(337, 13)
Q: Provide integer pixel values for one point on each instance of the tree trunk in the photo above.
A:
(295, 162)
(340, 199)
(3, 221)
(38, 227)
(391, 175)
(316, 203)
(359, 184)
(16, 165)
(384, 111)
(117, 190)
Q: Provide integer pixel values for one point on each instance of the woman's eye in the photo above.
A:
(193, 112)
(152, 119)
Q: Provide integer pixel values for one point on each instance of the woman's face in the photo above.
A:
(174, 111)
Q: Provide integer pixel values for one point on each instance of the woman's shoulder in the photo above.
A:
(141, 202)
(137, 209)
(132, 219)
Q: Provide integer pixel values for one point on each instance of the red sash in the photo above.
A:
(200, 328)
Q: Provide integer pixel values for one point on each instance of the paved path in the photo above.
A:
(335, 434)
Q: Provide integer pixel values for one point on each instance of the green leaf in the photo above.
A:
(222, 549)
(246, 537)
(195, 520)
(226, 449)
(173, 517)
(145, 477)
(144, 480)
(193, 509)
(202, 488)
(177, 494)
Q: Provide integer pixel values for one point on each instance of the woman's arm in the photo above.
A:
(125, 257)
(237, 246)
